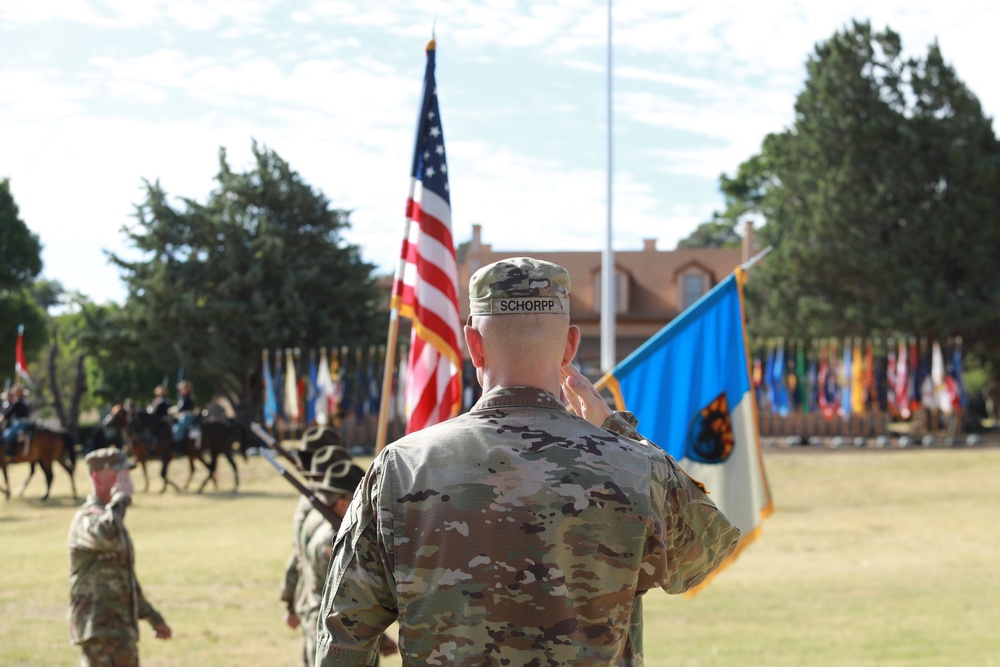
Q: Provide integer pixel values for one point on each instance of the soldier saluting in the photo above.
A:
(517, 533)
(106, 601)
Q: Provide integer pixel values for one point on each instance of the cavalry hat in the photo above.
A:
(341, 477)
(323, 459)
(109, 458)
(519, 285)
(320, 436)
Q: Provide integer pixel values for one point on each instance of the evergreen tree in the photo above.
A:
(261, 264)
(881, 201)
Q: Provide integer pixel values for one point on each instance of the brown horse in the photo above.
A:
(217, 439)
(41, 446)
(147, 437)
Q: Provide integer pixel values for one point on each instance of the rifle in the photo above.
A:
(273, 443)
(318, 504)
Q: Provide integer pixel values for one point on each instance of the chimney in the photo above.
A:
(477, 236)
(649, 245)
(748, 240)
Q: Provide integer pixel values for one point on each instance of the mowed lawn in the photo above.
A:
(872, 557)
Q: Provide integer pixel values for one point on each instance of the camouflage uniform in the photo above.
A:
(516, 534)
(513, 533)
(317, 457)
(106, 601)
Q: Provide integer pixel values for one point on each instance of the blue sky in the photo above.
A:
(96, 96)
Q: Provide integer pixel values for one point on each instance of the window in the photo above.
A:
(694, 287)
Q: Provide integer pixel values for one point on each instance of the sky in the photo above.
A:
(99, 96)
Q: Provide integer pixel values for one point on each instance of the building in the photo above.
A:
(653, 287)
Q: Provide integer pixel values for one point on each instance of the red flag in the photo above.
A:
(20, 363)
(425, 288)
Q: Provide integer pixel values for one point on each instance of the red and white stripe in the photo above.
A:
(426, 292)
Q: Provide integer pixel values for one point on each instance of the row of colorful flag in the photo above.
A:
(325, 386)
(855, 377)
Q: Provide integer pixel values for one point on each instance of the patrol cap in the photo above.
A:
(324, 458)
(519, 285)
(341, 477)
(109, 458)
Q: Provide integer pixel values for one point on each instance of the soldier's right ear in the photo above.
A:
(474, 341)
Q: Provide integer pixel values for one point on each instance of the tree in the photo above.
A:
(261, 264)
(20, 263)
(881, 201)
(719, 232)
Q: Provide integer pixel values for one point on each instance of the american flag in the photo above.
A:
(425, 289)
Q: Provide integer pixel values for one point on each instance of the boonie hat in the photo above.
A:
(341, 477)
(323, 459)
(109, 458)
(519, 285)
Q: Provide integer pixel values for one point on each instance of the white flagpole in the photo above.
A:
(608, 295)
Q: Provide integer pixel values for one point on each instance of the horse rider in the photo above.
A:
(17, 415)
(160, 407)
(184, 412)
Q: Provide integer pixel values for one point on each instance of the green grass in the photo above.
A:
(871, 558)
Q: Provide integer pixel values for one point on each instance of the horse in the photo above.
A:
(147, 437)
(42, 446)
(218, 435)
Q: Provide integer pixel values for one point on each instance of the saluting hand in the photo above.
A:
(583, 398)
(123, 484)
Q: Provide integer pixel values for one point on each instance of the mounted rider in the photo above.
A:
(185, 412)
(16, 416)
(160, 407)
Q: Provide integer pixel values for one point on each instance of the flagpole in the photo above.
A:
(608, 295)
(390, 362)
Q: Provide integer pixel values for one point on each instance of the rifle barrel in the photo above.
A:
(318, 504)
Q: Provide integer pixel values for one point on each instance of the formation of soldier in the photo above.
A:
(332, 477)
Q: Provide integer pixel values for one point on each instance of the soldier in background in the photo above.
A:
(106, 601)
(319, 450)
(336, 490)
(517, 533)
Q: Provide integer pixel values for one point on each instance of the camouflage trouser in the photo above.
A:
(110, 652)
(309, 640)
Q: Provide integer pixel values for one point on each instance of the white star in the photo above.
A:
(429, 172)
(440, 149)
(435, 131)
(427, 155)
(430, 115)
(444, 168)
(446, 186)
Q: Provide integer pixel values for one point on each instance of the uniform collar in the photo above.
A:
(508, 397)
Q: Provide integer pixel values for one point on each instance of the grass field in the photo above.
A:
(873, 557)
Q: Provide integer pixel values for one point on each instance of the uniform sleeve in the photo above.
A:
(696, 536)
(101, 529)
(146, 610)
(358, 599)
(692, 536)
(290, 581)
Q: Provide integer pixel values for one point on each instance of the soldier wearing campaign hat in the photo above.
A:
(314, 458)
(519, 532)
(106, 601)
(336, 489)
